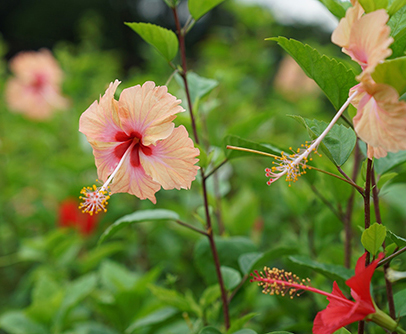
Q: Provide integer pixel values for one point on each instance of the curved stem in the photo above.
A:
(209, 228)
(191, 227)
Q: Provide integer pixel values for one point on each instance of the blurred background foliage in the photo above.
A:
(155, 277)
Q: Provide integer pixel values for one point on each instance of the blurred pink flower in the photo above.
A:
(136, 144)
(35, 89)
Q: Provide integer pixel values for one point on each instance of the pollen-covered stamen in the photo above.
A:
(280, 282)
(94, 199)
(293, 164)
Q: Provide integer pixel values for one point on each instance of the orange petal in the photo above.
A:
(172, 162)
(134, 181)
(381, 118)
(100, 122)
(148, 110)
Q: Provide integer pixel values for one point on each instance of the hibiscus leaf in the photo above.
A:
(383, 165)
(392, 72)
(400, 303)
(395, 6)
(372, 5)
(339, 142)
(231, 277)
(162, 39)
(240, 322)
(373, 237)
(198, 86)
(397, 24)
(240, 142)
(15, 322)
(153, 318)
(198, 8)
(333, 77)
(331, 271)
(336, 7)
(399, 241)
(138, 217)
(250, 261)
(209, 330)
(245, 331)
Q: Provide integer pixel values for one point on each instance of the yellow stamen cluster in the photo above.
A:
(279, 282)
(94, 199)
(293, 165)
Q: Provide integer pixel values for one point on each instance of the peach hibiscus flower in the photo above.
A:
(381, 118)
(35, 89)
(136, 146)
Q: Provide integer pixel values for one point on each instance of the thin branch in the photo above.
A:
(216, 168)
(326, 202)
(237, 288)
(191, 227)
(391, 257)
(359, 189)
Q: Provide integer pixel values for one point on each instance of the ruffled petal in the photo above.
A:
(105, 158)
(100, 122)
(135, 182)
(148, 110)
(365, 38)
(172, 161)
(381, 118)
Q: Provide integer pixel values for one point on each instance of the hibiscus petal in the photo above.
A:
(172, 161)
(148, 110)
(341, 35)
(100, 122)
(381, 118)
(134, 181)
(339, 313)
(105, 159)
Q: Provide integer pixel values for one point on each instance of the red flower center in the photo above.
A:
(134, 137)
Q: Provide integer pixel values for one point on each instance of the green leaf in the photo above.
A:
(372, 5)
(75, 293)
(16, 322)
(333, 77)
(171, 298)
(94, 256)
(239, 142)
(338, 143)
(91, 327)
(198, 8)
(162, 39)
(249, 261)
(229, 250)
(331, 271)
(115, 277)
(400, 303)
(373, 237)
(280, 332)
(395, 6)
(172, 3)
(153, 318)
(231, 277)
(399, 241)
(397, 24)
(137, 217)
(209, 296)
(209, 330)
(237, 324)
(245, 331)
(342, 330)
(392, 160)
(392, 72)
(198, 86)
(385, 179)
(336, 7)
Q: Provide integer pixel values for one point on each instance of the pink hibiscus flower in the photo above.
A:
(35, 89)
(136, 146)
(381, 118)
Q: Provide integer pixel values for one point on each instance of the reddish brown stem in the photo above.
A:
(388, 284)
(367, 221)
(209, 228)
